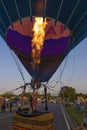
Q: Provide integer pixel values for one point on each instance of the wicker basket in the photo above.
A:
(34, 121)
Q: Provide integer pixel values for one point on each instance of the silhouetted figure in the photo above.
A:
(78, 105)
(11, 105)
(3, 106)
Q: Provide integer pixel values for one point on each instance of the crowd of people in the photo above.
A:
(84, 122)
(5, 105)
(81, 106)
(11, 104)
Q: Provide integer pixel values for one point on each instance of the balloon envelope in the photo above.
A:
(66, 27)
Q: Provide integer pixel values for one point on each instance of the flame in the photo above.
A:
(38, 40)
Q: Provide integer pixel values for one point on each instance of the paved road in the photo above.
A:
(6, 121)
(60, 122)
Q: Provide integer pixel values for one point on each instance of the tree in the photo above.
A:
(8, 95)
(68, 93)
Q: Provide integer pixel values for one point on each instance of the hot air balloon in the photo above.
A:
(66, 27)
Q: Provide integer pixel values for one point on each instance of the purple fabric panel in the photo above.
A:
(18, 41)
(23, 43)
(55, 46)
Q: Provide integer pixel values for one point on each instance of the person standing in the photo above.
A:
(11, 105)
(78, 105)
(3, 106)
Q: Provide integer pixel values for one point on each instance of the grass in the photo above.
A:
(77, 116)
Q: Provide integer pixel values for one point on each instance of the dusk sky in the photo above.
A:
(74, 74)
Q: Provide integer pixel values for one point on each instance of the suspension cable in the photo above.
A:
(44, 13)
(6, 12)
(17, 10)
(30, 10)
(79, 21)
(2, 33)
(79, 33)
(72, 12)
(58, 11)
(73, 70)
(70, 78)
(16, 61)
(51, 89)
(61, 71)
(3, 23)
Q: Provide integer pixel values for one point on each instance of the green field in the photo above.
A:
(77, 116)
